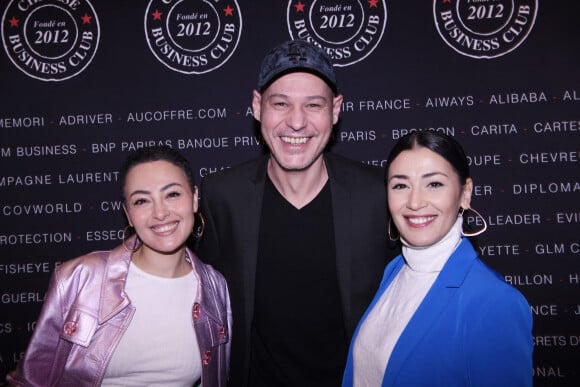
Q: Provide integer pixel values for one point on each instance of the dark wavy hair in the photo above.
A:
(155, 153)
(442, 144)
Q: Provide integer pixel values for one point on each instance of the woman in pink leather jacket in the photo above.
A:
(148, 312)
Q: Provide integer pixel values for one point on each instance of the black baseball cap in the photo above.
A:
(296, 55)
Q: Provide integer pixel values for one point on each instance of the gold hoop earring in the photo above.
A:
(393, 239)
(478, 215)
(199, 229)
(124, 236)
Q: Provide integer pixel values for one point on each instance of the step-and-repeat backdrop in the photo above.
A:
(84, 82)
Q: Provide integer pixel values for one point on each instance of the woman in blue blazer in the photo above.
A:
(441, 317)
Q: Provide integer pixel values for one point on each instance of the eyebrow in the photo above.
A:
(285, 96)
(423, 176)
(145, 192)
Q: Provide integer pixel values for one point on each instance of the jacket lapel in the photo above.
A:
(432, 307)
(113, 298)
(207, 292)
(251, 205)
(342, 214)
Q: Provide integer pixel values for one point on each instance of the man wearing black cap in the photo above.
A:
(300, 234)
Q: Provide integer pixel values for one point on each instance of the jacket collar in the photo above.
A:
(262, 168)
(114, 299)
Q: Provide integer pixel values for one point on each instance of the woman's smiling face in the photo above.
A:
(424, 195)
(160, 205)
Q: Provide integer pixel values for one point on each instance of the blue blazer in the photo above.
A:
(472, 329)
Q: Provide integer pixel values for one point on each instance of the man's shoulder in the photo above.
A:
(341, 165)
(244, 170)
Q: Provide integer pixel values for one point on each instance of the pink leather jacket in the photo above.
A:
(86, 311)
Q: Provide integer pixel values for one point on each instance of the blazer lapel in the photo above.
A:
(432, 307)
(342, 214)
(251, 203)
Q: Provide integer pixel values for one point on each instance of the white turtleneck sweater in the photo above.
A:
(383, 326)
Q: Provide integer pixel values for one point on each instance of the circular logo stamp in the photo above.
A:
(193, 36)
(484, 28)
(50, 40)
(348, 30)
